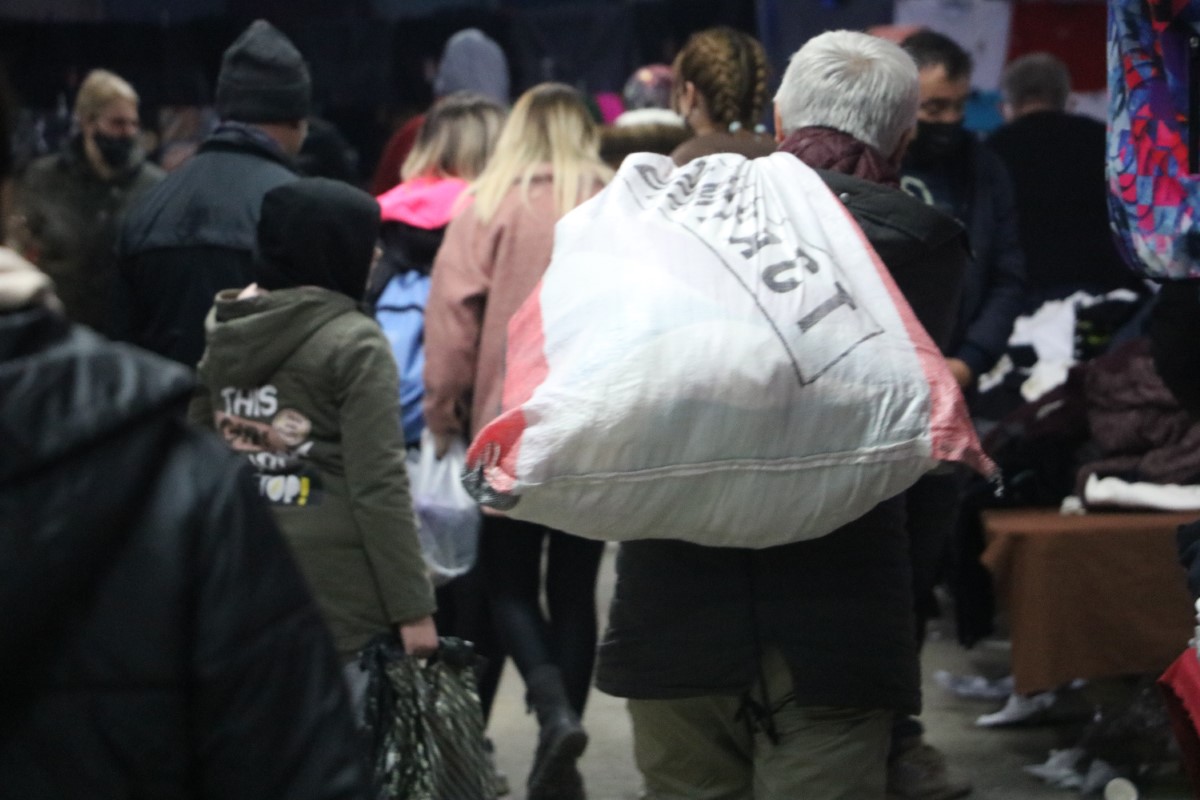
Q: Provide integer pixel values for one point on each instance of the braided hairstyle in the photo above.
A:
(729, 69)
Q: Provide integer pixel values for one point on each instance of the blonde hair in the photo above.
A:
(457, 138)
(98, 89)
(548, 125)
(729, 70)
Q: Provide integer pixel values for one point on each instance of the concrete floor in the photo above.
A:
(990, 758)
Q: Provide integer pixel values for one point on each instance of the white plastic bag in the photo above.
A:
(448, 519)
(717, 355)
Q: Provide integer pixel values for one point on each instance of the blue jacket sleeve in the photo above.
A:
(1000, 263)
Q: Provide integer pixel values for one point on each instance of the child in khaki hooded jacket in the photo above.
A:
(300, 380)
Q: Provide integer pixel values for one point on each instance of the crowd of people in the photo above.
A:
(186, 615)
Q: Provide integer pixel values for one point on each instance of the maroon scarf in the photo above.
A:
(831, 149)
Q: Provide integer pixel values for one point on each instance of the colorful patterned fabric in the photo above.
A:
(1152, 196)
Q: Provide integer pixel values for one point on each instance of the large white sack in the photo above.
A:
(715, 354)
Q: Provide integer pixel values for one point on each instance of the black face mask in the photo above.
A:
(936, 142)
(115, 150)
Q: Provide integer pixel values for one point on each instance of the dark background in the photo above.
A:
(371, 60)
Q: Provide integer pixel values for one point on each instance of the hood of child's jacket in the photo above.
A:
(316, 232)
(249, 339)
(426, 203)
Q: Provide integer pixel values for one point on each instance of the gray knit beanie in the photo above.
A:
(263, 78)
(473, 62)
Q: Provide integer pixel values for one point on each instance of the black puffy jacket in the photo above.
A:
(156, 639)
(190, 237)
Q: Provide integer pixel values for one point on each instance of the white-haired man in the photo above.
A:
(825, 127)
(777, 673)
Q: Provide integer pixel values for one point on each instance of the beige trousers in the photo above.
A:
(701, 748)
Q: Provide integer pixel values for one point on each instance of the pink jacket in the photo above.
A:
(481, 276)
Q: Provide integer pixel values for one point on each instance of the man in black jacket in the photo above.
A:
(193, 235)
(158, 640)
(776, 673)
(946, 167)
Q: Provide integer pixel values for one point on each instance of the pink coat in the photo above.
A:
(482, 275)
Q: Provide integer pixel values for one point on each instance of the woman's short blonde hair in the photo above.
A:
(98, 89)
(549, 125)
(457, 138)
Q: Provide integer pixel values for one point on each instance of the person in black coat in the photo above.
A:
(158, 638)
(777, 672)
(194, 233)
(1056, 160)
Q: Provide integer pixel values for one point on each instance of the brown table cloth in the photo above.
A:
(1088, 596)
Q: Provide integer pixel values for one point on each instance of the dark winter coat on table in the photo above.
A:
(192, 236)
(1139, 431)
(159, 641)
(304, 385)
(69, 222)
(691, 621)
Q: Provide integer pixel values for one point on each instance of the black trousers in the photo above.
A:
(565, 634)
(932, 506)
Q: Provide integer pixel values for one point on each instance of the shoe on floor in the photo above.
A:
(499, 780)
(1020, 709)
(918, 771)
(561, 738)
(565, 784)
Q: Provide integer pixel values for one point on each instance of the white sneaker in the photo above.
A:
(1019, 708)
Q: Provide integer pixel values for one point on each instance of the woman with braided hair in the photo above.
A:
(721, 92)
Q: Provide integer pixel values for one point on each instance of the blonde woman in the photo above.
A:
(720, 90)
(546, 162)
(452, 147)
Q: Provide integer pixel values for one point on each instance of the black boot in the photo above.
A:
(561, 739)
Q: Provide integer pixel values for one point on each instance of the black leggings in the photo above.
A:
(511, 552)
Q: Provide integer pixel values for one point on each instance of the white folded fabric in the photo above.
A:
(1123, 494)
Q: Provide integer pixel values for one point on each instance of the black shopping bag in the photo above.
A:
(425, 723)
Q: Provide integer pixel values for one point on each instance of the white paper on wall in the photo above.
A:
(981, 27)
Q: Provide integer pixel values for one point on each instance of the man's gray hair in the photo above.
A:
(859, 84)
(1037, 79)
